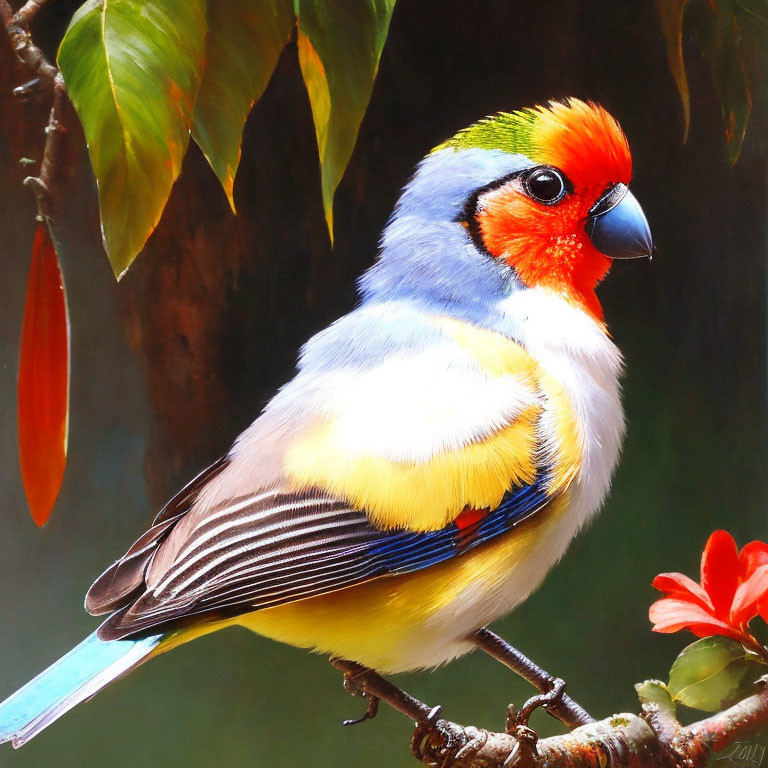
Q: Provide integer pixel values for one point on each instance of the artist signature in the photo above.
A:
(743, 754)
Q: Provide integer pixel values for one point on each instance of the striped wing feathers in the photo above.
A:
(249, 554)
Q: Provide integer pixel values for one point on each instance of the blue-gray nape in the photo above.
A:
(426, 255)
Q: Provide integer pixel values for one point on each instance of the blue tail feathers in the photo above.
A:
(84, 671)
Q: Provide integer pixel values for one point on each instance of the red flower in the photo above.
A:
(733, 590)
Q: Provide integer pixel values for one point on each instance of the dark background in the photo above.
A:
(169, 365)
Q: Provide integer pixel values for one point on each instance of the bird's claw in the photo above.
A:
(370, 711)
(545, 700)
(353, 687)
(437, 742)
(524, 753)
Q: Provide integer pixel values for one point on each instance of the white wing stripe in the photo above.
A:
(292, 553)
(172, 604)
(277, 563)
(185, 566)
(247, 520)
(238, 505)
(244, 591)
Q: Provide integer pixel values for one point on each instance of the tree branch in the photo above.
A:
(28, 11)
(653, 740)
(16, 27)
(46, 77)
(56, 132)
(740, 721)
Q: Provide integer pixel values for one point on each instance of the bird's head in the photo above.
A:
(540, 195)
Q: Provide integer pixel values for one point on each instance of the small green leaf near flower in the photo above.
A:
(656, 692)
(714, 672)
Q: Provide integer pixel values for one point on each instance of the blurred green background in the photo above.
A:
(171, 363)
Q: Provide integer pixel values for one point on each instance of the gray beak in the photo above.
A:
(617, 226)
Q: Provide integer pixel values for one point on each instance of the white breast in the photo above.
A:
(575, 350)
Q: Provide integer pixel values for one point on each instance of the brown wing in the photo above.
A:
(124, 580)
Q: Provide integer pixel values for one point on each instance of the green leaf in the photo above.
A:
(656, 692)
(245, 39)
(133, 69)
(714, 672)
(671, 16)
(340, 43)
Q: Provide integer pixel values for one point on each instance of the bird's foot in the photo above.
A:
(354, 688)
(524, 753)
(363, 681)
(549, 700)
(438, 742)
(552, 698)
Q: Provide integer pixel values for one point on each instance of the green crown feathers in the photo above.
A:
(506, 131)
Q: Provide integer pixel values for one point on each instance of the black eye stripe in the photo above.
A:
(469, 212)
(468, 215)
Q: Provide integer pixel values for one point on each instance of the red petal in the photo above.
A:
(763, 610)
(43, 388)
(751, 557)
(752, 591)
(682, 587)
(718, 628)
(669, 615)
(720, 572)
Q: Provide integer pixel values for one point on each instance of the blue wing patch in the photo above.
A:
(406, 551)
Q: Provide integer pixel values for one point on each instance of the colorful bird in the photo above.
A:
(438, 447)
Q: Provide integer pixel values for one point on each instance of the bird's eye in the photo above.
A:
(545, 185)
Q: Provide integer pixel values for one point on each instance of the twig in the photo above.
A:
(28, 11)
(16, 27)
(48, 78)
(655, 739)
(55, 132)
(741, 720)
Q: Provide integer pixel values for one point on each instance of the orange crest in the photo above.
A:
(584, 141)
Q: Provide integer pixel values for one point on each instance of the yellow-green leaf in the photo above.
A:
(656, 692)
(671, 15)
(133, 69)
(714, 672)
(245, 39)
(340, 43)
